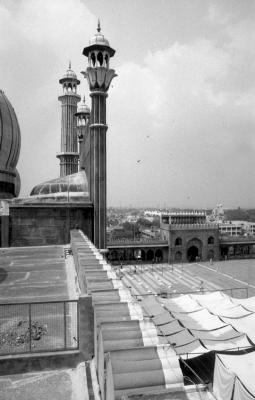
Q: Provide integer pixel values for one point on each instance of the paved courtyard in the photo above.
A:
(236, 278)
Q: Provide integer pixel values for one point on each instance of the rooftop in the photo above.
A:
(33, 274)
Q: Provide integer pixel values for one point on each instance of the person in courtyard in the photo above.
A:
(201, 286)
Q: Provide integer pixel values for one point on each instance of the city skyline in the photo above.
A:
(180, 113)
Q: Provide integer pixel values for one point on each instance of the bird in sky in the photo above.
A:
(138, 161)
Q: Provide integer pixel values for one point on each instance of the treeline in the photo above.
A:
(240, 214)
(132, 230)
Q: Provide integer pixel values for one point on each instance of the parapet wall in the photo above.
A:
(47, 225)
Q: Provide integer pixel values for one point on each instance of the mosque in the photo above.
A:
(77, 199)
(74, 328)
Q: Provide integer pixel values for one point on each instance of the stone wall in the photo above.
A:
(48, 224)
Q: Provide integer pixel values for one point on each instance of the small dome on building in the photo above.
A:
(83, 108)
(98, 41)
(70, 74)
(99, 38)
(70, 188)
(10, 141)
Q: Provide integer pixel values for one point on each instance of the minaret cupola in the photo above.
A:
(99, 53)
(69, 81)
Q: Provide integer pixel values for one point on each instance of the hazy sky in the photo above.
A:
(183, 102)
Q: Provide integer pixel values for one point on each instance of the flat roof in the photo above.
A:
(33, 274)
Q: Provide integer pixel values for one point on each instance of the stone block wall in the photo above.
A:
(48, 225)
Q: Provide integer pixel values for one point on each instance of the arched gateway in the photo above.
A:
(194, 250)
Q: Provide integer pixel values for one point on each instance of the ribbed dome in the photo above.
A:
(98, 41)
(9, 149)
(70, 188)
(83, 108)
(70, 74)
(99, 38)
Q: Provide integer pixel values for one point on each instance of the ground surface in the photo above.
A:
(63, 384)
(32, 274)
(236, 277)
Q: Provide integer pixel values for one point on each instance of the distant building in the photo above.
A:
(190, 236)
(237, 228)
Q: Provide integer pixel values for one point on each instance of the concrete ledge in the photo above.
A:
(21, 363)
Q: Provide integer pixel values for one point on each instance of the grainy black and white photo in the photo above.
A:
(127, 199)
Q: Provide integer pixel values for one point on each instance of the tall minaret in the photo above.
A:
(99, 77)
(83, 133)
(69, 147)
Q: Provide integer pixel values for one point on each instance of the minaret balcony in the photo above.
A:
(67, 153)
(99, 78)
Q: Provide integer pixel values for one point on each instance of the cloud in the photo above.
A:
(193, 102)
(187, 110)
(37, 40)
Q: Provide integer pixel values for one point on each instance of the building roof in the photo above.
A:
(68, 189)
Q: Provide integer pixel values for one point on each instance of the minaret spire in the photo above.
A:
(98, 26)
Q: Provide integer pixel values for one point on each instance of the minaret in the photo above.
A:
(69, 147)
(99, 77)
(83, 134)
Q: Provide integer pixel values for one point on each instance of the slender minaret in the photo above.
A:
(69, 147)
(83, 134)
(99, 77)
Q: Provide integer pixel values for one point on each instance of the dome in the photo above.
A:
(9, 149)
(98, 41)
(83, 108)
(99, 38)
(70, 74)
(70, 188)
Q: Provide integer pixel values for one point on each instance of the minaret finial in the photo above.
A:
(70, 65)
(98, 26)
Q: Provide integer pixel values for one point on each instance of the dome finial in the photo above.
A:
(98, 26)
(70, 65)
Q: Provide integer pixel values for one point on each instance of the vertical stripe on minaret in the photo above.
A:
(99, 77)
(68, 155)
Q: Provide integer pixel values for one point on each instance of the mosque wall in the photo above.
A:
(47, 225)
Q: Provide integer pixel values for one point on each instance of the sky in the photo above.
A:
(183, 101)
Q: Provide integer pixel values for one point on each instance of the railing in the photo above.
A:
(237, 292)
(39, 327)
(236, 239)
(193, 226)
(140, 242)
